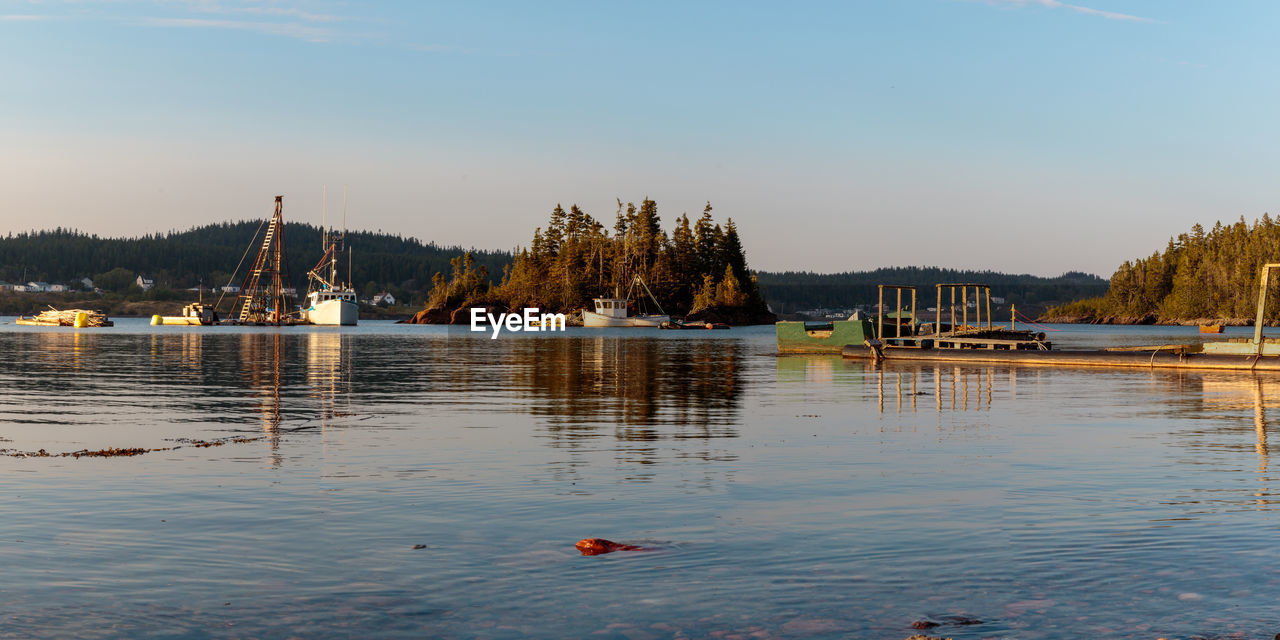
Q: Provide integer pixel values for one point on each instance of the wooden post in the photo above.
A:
(913, 311)
(880, 314)
(964, 302)
(897, 333)
(1013, 317)
(1262, 305)
(937, 319)
(977, 308)
(988, 307)
(953, 308)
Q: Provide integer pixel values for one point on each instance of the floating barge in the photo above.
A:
(196, 314)
(899, 337)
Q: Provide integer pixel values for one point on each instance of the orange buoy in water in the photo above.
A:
(597, 546)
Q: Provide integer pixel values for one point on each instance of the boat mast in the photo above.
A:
(267, 301)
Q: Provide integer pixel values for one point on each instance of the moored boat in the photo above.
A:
(195, 314)
(265, 297)
(329, 301)
(614, 312)
(1210, 328)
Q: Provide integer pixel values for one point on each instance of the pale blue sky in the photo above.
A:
(1019, 135)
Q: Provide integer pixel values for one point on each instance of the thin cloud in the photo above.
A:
(22, 17)
(288, 29)
(1055, 4)
(221, 8)
(434, 48)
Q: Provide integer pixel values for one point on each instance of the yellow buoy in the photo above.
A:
(82, 320)
(156, 319)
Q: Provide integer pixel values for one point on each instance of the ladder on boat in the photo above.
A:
(258, 297)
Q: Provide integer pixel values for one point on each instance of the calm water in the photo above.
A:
(795, 497)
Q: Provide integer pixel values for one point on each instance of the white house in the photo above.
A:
(145, 282)
(58, 288)
(231, 288)
(37, 287)
(88, 284)
(384, 298)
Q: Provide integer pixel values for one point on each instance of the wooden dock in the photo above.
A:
(1163, 357)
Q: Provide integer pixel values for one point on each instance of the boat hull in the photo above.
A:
(593, 319)
(182, 321)
(334, 313)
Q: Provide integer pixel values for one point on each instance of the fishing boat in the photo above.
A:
(614, 312)
(79, 318)
(330, 302)
(266, 298)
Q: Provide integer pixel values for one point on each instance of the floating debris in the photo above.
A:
(419, 546)
(598, 546)
(127, 452)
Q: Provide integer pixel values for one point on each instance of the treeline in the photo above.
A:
(209, 254)
(700, 267)
(792, 291)
(1199, 275)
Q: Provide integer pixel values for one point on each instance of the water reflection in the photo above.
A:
(900, 388)
(329, 362)
(639, 391)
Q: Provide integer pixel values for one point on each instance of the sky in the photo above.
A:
(1027, 136)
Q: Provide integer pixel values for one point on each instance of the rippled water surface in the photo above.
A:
(793, 497)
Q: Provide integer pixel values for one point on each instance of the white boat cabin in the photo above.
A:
(325, 295)
(611, 307)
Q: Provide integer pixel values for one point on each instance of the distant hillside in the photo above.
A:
(405, 266)
(178, 260)
(791, 291)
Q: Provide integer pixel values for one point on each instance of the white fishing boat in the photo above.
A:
(612, 312)
(330, 302)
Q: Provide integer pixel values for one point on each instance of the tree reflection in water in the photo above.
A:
(641, 391)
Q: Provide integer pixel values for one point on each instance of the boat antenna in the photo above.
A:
(344, 212)
(323, 202)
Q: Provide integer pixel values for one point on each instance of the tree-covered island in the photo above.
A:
(1201, 277)
(699, 270)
